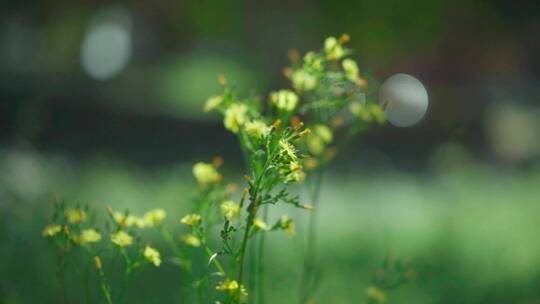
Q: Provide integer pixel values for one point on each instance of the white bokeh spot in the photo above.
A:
(405, 100)
(106, 48)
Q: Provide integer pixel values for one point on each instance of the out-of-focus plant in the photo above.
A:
(282, 137)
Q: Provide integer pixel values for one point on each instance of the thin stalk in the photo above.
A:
(252, 209)
(104, 285)
(215, 261)
(309, 261)
(87, 284)
(260, 258)
(61, 276)
(253, 265)
(252, 212)
(125, 276)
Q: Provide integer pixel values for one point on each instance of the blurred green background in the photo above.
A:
(101, 102)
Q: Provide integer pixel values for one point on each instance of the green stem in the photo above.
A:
(125, 276)
(253, 265)
(252, 212)
(260, 258)
(252, 209)
(215, 261)
(61, 275)
(104, 285)
(309, 261)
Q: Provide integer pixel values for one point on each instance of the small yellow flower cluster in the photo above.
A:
(129, 220)
(235, 117)
(303, 81)
(206, 173)
(368, 113)
(305, 78)
(51, 230)
(87, 236)
(351, 69)
(75, 215)
(284, 100)
(149, 219)
(121, 238)
(230, 210)
(152, 255)
(191, 240)
(320, 137)
(257, 128)
(291, 171)
(231, 287)
(155, 217)
(212, 103)
(333, 48)
(287, 224)
(287, 149)
(191, 220)
(259, 224)
(376, 294)
(313, 62)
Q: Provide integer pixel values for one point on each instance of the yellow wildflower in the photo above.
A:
(88, 236)
(235, 116)
(205, 173)
(288, 225)
(121, 238)
(287, 149)
(333, 48)
(315, 145)
(324, 132)
(378, 113)
(368, 113)
(191, 219)
(259, 224)
(75, 215)
(292, 173)
(141, 222)
(227, 285)
(212, 103)
(152, 255)
(191, 240)
(51, 230)
(231, 286)
(313, 61)
(98, 263)
(230, 210)
(257, 128)
(361, 111)
(376, 294)
(303, 81)
(128, 220)
(351, 69)
(154, 217)
(285, 100)
(319, 138)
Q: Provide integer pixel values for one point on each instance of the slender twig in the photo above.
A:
(309, 261)
(252, 210)
(104, 285)
(260, 258)
(215, 261)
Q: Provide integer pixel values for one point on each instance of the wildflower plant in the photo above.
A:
(287, 138)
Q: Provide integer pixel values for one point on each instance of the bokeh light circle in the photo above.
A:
(107, 46)
(405, 100)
